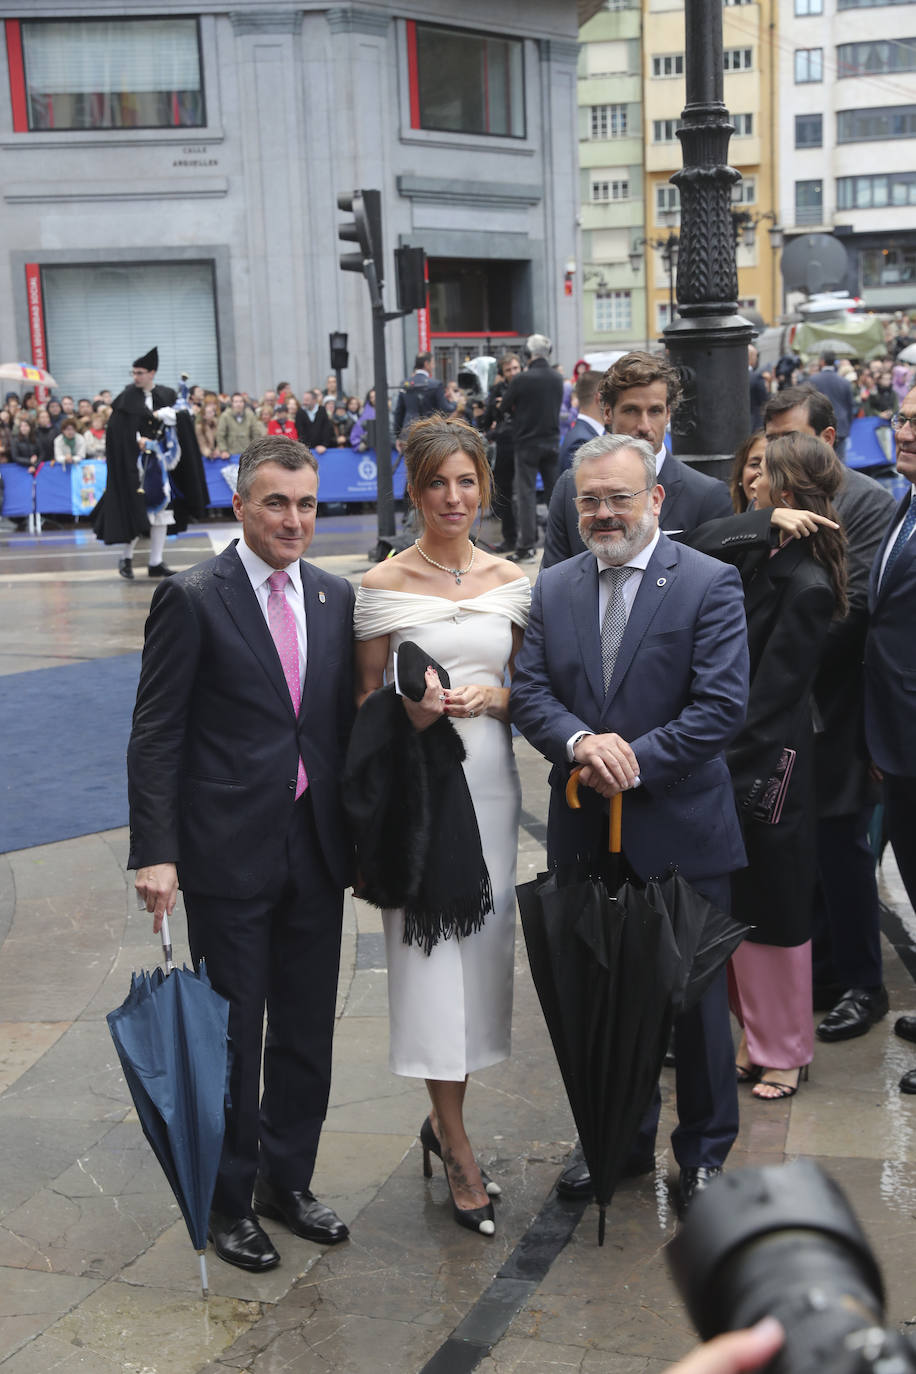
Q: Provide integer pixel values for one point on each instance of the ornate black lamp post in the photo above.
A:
(708, 343)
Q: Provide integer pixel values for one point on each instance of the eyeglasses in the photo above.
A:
(900, 419)
(618, 503)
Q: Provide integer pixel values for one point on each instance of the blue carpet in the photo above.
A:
(64, 746)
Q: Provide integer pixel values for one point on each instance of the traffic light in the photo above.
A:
(366, 230)
(410, 264)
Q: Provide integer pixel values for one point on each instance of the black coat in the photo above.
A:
(317, 433)
(533, 399)
(789, 604)
(121, 513)
(691, 498)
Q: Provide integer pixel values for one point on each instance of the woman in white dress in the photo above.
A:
(450, 1011)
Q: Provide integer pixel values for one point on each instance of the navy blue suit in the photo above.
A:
(678, 696)
(580, 434)
(890, 693)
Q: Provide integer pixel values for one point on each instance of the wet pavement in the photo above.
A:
(96, 1271)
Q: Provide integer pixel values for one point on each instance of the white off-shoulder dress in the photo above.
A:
(450, 1012)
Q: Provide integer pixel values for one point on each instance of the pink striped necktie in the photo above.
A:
(282, 624)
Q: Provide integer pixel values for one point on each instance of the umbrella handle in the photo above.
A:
(167, 944)
(615, 843)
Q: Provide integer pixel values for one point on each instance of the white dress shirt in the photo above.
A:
(258, 573)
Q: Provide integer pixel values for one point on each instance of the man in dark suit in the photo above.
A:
(533, 400)
(239, 731)
(890, 676)
(590, 420)
(839, 393)
(848, 973)
(635, 665)
(313, 424)
(637, 395)
(422, 395)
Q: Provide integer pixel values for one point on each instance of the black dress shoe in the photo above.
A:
(126, 569)
(824, 996)
(521, 555)
(693, 1181)
(905, 1027)
(159, 570)
(575, 1182)
(908, 1082)
(241, 1241)
(300, 1211)
(855, 1013)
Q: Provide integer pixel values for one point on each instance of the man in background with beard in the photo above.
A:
(635, 667)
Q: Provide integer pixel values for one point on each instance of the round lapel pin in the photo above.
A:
(661, 582)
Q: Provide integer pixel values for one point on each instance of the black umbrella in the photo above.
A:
(613, 965)
(171, 1035)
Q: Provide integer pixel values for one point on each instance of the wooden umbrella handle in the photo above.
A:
(615, 828)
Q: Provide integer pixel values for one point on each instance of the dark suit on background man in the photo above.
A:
(840, 395)
(580, 434)
(533, 400)
(213, 776)
(691, 498)
(677, 697)
(317, 432)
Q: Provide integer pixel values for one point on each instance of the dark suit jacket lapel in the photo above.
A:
(894, 530)
(242, 604)
(671, 479)
(583, 594)
(657, 580)
(317, 623)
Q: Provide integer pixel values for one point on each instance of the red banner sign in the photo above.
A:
(36, 323)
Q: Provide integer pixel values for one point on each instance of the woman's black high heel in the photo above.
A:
(479, 1219)
(430, 1142)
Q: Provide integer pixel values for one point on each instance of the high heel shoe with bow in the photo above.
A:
(479, 1219)
(430, 1142)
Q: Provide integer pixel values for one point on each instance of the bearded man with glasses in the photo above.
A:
(635, 666)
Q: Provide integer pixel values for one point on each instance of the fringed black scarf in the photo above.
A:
(413, 823)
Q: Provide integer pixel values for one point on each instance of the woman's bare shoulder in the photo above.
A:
(393, 574)
(500, 570)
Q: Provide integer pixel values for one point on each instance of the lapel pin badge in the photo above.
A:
(322, 598)
(661, 582)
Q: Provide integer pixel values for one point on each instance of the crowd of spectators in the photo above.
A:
(65, 430)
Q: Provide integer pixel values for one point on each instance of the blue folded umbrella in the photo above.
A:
(171, 1035)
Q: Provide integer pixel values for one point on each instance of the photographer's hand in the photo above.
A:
(734, 1352)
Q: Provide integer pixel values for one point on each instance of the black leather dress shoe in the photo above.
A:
(159, 570)
(824, 996)
(241, 1241)
(855, 1013)
(126, 569)
(300, 1211)
(576, 1182)
(908, 1082)
(905, 1027)
(693, 1181)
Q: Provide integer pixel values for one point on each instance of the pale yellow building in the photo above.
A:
(749, 42)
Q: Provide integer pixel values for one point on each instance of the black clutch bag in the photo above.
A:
(772, 798)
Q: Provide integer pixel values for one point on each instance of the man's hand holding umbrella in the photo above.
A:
(157, 891)
(608, 764)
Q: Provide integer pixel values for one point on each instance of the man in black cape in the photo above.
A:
(121, 516)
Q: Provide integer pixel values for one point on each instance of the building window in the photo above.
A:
(809, 202)
(747, 303)
(861, 126)
(744, 125)
(888, 266)
(803, 7)
(105, 74)
(665, 130)
(809, 131)
(663, 315)
(744, 192)
(603, 191)
(738, 59)
(670, 65)
(876, 192)
(868, 4)
(884, 55)
(608, 121)
(615, 5)
(667, 201)
(465, 82)
(613, 311)
(739, 2)
(809, 65)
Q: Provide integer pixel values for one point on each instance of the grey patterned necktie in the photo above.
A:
(615, 619)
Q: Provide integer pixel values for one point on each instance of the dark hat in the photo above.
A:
(149, 362)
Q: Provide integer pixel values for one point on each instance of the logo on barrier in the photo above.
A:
(367, 470)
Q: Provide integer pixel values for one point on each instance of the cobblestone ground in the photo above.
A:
(96, 1271)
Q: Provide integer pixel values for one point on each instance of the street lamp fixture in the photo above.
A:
(668, 247)
(744, 224)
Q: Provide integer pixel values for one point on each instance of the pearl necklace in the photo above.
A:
(457, 573)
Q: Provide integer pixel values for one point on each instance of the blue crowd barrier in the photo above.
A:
(73, 489)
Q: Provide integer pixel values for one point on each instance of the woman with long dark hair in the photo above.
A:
(794, 587)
